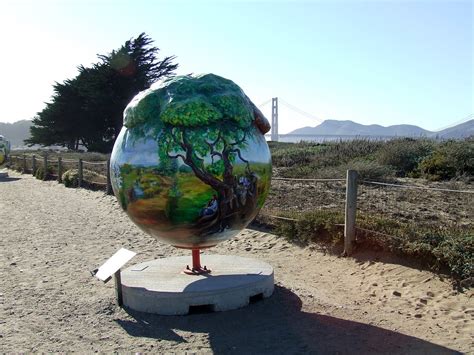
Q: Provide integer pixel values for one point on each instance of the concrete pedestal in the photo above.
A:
(160, 286)
(3, 173)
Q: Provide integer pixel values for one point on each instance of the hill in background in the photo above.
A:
(350, 128)
(462, 130)
(16, 132)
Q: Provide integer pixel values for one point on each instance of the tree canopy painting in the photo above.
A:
(4, 149)
(212, 163)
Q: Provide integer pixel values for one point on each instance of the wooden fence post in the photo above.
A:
(60, 169)
(24, 163)
(33, 164)
(79, 183)
(109, 185)
(351, 209)
(45, 166)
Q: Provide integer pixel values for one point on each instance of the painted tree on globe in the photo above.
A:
(206, 158)
(4, 149)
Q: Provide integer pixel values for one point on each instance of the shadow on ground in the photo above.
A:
(8, 179)
(278, 325)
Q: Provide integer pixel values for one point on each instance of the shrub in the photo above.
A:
(41, 174)
(437, 167)
(372, 170)
(457, 252)
(301, 154)
(404, 155)
(447, 247)
(319, 225)
(367, 169)
(376, 159)
(450, 159)
(70, 178)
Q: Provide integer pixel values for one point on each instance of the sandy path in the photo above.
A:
(52, 236)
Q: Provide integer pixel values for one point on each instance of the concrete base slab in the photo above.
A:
(160, 286)
(3, 173)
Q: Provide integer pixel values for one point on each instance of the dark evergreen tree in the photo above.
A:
(88, 109)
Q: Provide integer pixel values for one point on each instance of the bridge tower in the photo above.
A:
(274, 119)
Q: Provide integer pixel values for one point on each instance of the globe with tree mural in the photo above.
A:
(4, 149)
(191, 166)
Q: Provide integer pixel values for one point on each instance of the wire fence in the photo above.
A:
(298, 196)
(424, 205)
(382, 210)
(411, 203)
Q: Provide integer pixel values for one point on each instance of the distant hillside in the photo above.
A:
(343, 128)
(16, 132)
(462, 130)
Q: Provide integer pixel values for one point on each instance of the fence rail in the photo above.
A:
(55, 169)
(416, 187)
(308, 180)
(95, 162)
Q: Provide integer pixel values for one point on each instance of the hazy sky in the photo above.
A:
(385, 62)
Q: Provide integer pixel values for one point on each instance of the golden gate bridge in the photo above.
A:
(274, 134)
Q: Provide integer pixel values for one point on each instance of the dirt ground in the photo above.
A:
(51, 237)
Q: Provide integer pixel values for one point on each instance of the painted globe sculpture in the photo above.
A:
(191, 166)
(4, 149)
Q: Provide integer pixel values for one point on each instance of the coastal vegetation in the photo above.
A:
(442, 248)
(402, 157)
(435, 229)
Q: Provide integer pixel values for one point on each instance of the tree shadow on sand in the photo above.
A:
(278, 325)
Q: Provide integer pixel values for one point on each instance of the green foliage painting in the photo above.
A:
(191, 165)
(4, 149)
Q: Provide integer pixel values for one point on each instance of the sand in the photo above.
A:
(51, 237)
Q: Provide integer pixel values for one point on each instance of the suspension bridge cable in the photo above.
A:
(264, 103)
(300, 111)
(462, 120)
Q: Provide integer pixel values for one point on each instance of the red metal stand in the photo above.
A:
(196, 259)
(197, 269)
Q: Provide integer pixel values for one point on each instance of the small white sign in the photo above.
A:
(114, 263)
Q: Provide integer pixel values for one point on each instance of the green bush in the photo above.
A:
(447, 247)
(457, 252)
(41, 174)
(300, 154)
(70, 178)
(437, 167)
(319, 225)
(404, 155)
(367, 169)
(451, 159)
(371, 170)
(376, 159)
